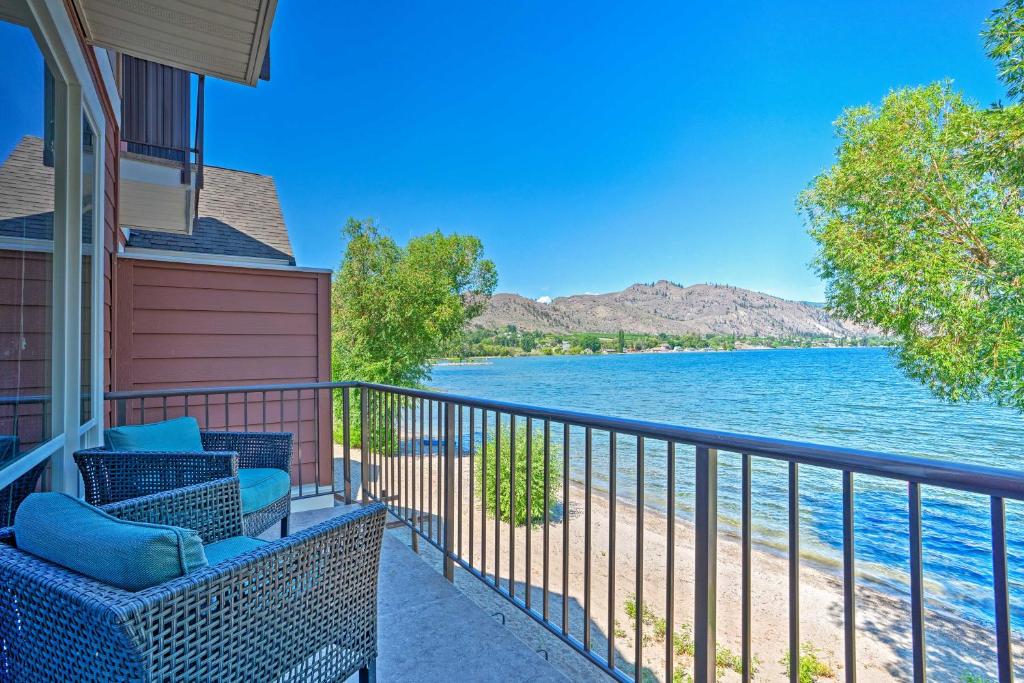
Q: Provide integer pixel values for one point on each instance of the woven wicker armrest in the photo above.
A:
(303, 608)
(112, 476)
(212, 509)
(56, 625)
(255, 449)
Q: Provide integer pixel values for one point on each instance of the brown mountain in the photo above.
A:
(670, 308)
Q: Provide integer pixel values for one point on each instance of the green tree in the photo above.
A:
(590, 341)
(393, 309)
(920, 233)
(622, 341)
(1004, 40)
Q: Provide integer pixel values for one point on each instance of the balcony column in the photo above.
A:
(706, 565)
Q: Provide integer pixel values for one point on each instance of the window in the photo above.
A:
(51, 206)
(89, 228)
(27, 316)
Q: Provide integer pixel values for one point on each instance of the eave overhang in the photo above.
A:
(225, 39)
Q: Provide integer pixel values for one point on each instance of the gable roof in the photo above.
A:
(26, 192)
(239, 213)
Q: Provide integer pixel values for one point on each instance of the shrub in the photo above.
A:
(811, 667)
(682, 640)
(649, 618)
(381, 430)
(354, 427)
(534, 479)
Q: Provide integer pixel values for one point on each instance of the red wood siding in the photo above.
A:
(200, 325)
(26, 311)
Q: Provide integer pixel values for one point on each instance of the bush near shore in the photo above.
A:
(491, 458)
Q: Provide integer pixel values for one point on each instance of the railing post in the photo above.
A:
(706, 567)
(364, 450)
(346, 414)
(122, 412)
(449, 490)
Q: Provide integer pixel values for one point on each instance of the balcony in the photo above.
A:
(471, 645)
(161, 164)
(568, 587)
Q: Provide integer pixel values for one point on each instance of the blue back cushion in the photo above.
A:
(180, 435)
(85, 539)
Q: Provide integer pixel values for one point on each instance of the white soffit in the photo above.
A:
(222, 38)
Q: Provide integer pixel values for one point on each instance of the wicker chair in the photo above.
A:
(12, 495)
(302, 608)
(15, 492)
(112, 476)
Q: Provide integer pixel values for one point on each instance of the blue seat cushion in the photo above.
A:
(180, 435)
(130, 555)
(261, 486)
(231, 547)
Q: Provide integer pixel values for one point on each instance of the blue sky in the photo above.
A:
(589, 145)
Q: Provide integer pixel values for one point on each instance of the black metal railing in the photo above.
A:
(438, 461)
(304, 409)
(441, 430)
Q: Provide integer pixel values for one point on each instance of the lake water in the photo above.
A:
(846, 397)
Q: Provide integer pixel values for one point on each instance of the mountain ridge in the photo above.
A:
(669, 308)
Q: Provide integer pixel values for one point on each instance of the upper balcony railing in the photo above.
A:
(156, 115)
(443, 465)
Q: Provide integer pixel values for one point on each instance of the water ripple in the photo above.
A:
(845, 397)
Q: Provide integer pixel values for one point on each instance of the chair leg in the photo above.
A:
(368, 674)
(284, 526)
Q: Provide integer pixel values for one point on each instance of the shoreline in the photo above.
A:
(956, 646)
(446, 362)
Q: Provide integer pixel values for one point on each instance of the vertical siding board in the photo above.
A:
(323, 308)
(156, 109)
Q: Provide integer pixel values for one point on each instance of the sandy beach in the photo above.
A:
(955, 646)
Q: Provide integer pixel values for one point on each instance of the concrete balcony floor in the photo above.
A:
(429, 630)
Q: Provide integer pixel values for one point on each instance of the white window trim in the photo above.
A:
(75, 94)
(30, 460)
(96, 251)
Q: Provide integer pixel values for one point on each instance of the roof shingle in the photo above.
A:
(239, 213)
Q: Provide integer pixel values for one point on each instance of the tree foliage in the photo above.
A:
(393, 307)
(920, 232)
(1004, 41)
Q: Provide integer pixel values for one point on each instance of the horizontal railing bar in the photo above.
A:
(990, 481)
(21, 400)
(199, 391)
(966, 477)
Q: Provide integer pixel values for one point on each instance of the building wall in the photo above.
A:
(26, 338)
(189, 325)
